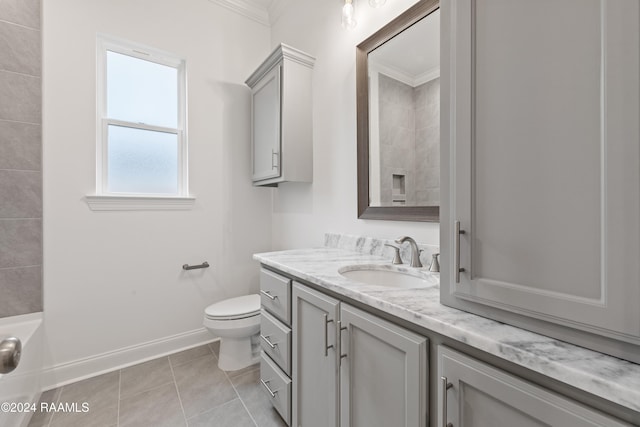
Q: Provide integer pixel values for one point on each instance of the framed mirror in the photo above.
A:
(398, 113)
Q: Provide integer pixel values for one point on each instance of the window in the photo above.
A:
(142, 145)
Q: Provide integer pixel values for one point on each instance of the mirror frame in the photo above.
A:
(394, 213)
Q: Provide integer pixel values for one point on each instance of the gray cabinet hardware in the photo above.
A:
(446, 385)
(268, 295)
(458, 270)
(326, 335)
(269, 343)
(266, 385)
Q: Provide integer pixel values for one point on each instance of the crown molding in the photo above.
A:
(280, 52)
(247, 9)
(396, 74)
(276, 9)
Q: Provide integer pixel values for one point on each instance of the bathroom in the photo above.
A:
(109, 282)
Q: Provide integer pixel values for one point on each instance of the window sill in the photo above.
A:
(139, 203)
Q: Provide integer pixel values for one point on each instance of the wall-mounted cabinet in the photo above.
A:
(281, 118)
(541, 167)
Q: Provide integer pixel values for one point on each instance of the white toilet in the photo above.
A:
(237, 322)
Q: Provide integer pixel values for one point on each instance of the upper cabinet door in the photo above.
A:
(281, 118)
(265, 105)
(541, 128)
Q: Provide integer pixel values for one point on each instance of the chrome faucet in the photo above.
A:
(415, 252)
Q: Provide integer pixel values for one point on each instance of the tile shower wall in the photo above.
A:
(409, 142)
(427, 102)
(20, 158)
(397, 141)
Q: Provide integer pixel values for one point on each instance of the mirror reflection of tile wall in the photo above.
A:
(409, 120)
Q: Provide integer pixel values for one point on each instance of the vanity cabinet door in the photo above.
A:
(315, 366)
(383, 373)
(541, 159)
(265, 113)
(479, 395)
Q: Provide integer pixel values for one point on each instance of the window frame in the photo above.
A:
(104, 45)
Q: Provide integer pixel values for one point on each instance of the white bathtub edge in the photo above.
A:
(25, 380)
(22, 318)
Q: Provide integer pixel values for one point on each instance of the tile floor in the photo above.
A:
(182, 389)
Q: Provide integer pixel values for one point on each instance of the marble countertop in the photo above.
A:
(610, 378)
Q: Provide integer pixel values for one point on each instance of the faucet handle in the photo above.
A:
(396, 256)
(435, 265)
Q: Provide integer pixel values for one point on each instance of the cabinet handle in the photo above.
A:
(326, 335)
(269, 343)
(446, 385)
(268, 295)
(457, 249)
(340, 329)
(274, 153)
(266, 385)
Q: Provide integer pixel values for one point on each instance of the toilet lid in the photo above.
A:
(234, 308)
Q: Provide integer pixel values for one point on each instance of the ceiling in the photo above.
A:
(415, 52)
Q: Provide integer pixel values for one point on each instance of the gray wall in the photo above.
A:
(20, 157)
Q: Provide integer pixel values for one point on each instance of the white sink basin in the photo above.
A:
(384, 276)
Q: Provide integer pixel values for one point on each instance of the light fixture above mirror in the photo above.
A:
(348, 19)
(348, 12)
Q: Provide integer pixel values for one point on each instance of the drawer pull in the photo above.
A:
(268, 295)
(266, 385)
(326, 335)
(446, 385)
(269, 343)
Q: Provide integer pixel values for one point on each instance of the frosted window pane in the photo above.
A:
(141, 91)
(142, 161)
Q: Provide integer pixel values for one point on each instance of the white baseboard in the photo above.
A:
(69, 372)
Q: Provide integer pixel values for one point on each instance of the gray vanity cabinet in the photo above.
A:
(315, 362)
(351, 368)
(541, 167)
(275, 341)
(281, 118)
(474, 394)
(383, 372)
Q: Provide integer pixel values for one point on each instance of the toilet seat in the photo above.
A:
(234, 308)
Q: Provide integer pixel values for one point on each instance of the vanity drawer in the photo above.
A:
(275, 339)
(275, 294)
(277, 386)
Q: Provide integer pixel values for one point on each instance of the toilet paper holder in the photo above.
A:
(194, 267)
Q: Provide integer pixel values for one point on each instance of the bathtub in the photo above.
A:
(22, 386)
